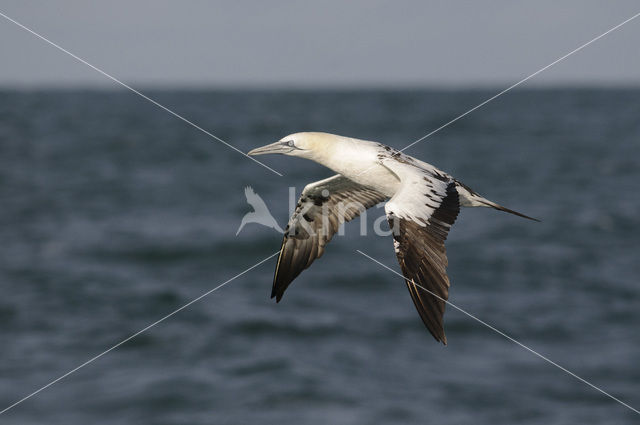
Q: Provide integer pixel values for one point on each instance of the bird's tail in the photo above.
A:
(469, 198)
(501, 208)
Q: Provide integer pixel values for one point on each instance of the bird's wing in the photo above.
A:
(420, 215)
(323, 206)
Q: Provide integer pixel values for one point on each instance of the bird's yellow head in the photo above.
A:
(309, 145)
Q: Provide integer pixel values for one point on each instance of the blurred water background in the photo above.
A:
(113, 213)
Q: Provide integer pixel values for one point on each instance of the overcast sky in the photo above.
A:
(321, 43)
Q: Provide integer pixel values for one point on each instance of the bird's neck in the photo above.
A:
(346, 156)
(358, 160)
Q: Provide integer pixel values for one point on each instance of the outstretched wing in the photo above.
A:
(420, 215)
(322, 207)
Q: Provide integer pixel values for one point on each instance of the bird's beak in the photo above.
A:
(277, 147)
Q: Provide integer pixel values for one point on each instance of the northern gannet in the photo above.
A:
(423, 203)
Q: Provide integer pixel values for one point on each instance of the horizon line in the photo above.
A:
(105, 87)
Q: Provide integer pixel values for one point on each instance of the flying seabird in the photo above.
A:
(423, 203)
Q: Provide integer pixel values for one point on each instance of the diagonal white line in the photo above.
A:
(521, 81)
(111, 77)
(532, 351)
(136, 334)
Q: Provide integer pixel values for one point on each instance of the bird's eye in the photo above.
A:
(290, 143)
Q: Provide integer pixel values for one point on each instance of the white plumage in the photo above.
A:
(423, 203)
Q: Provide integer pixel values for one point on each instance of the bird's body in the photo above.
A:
(360, 162)
(423, 203)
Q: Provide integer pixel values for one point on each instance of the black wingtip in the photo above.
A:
(275, 295)
(440, 337)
